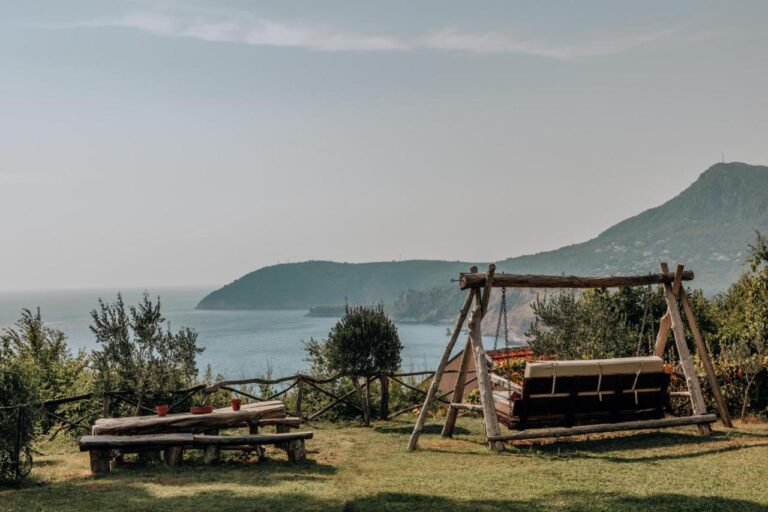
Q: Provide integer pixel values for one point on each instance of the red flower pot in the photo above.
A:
(235, 404)
(162, 410)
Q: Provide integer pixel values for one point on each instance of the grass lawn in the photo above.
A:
(355, 468)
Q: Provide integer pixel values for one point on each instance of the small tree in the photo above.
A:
(364, 344)
(138, 354)
(17, 425)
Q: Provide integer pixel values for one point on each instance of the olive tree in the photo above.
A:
(364, 344)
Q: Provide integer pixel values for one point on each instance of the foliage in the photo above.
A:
(596, 323)
(139, 355)
(742, 337)
(364, 343)
(17, 425)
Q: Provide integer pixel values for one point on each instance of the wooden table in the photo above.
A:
(249, 415)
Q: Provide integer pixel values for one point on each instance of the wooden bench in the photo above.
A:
(101, 447)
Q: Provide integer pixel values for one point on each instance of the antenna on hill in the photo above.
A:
(723, 157)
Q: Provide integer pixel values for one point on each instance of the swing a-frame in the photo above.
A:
(576, 397)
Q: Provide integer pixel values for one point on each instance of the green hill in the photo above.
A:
(707, 227)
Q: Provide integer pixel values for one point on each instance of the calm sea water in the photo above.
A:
(237, 343)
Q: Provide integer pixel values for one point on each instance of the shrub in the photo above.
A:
(141, 356)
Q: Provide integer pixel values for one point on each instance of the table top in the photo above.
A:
(188, 422)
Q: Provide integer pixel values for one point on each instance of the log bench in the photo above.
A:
(100, 447)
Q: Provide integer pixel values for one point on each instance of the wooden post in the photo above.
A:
(458, 391)
(689, 369)
(665, 326)
(481, 364)
(99, 461)
(384, 402)
(105, 406)
(435, 385)
(174, 455)
(367, 402)
(299, 397)
(211, 452)
(253, 429)
(706, 361)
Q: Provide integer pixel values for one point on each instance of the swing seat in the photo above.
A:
(583, 392)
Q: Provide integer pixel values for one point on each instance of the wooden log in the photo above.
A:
(251, 439)
(686, 362)
(467, 407)
(540, 281)
(704, 419)
(481, 367)
(211, 451)
(665, 327)
(706, 361)
(89, 443)
(435, 384)
(99, 461)
(174, 455)
(187, 422)
(296, 450)
(458, 390)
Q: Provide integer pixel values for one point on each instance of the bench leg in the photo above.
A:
(211, 453)
(296, 450)
(174, 455)
(282, 429)
(99, 461)
(260, 452)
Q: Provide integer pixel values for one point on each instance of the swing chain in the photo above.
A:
(502, 318)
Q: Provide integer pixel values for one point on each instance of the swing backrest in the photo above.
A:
(592, 391)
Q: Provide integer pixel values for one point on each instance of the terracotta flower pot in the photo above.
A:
(162, 410)
(235, 404)
(201, 409)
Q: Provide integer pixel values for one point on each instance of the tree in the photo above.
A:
(17, 424)
(44, 353)
(138, 354)
(596, 323)
(364, 344)
(743, 329)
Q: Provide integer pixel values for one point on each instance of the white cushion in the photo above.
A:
(620, 365)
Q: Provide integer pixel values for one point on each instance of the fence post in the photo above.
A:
(299, 396)
(384, 404)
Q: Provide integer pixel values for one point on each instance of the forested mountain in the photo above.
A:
(707, 226)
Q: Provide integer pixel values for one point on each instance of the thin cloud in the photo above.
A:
(264, 32)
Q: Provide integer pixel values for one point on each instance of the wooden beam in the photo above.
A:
(539, 281)
(686, 362)
(706, 361)
(481, 367)
(704, 419)
(458, 390)
(466, 407)
(435, 385)
(665, 327)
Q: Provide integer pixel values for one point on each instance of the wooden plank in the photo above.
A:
(704, 419)
(435, 385)
(540, 281)
(706, 361)
(187, 422)
(94, 442)
(251, 439)
(686, 362)
(481, 367)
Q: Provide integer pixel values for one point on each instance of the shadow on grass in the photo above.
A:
(604, 448)
(408, 428)
(136, 498)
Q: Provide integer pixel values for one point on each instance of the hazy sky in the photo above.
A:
(182, 143)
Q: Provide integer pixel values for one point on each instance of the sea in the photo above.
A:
(238, 344)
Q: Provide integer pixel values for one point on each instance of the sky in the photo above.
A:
(168, 143)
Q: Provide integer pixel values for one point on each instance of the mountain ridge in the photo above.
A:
(707, 226)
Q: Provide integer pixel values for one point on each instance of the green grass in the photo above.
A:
(355, 468)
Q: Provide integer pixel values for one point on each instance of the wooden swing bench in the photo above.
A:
(576, 397)
(588, 396)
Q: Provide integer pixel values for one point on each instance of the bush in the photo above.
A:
(140, 356)
(17, 425)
